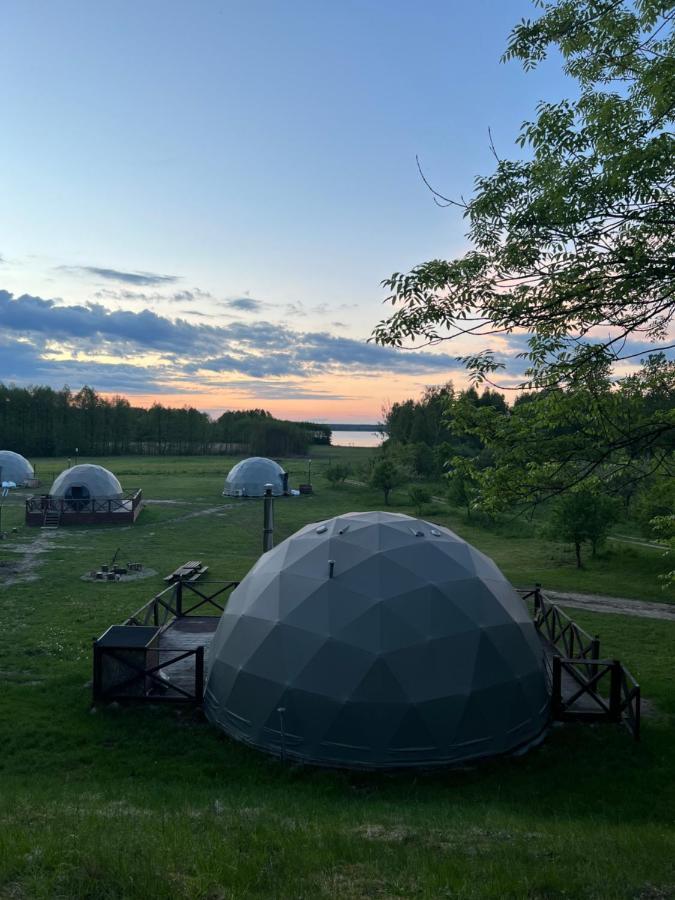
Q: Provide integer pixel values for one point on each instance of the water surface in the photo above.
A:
(356, 439)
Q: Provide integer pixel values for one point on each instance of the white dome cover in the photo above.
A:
(249, 477)
(15, 467)
(100, 483)
(376, 640)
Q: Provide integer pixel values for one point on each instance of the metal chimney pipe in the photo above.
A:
(268, 519)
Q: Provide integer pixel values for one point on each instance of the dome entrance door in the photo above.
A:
(77, 496)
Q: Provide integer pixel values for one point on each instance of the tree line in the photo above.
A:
(589, 455)
(41, 421)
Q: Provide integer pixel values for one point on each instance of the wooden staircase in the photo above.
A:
(52, 519)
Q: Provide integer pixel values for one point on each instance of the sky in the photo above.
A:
(198, 201)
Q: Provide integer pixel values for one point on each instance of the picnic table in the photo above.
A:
(189, 571)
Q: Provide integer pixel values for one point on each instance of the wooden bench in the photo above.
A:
(189, 571)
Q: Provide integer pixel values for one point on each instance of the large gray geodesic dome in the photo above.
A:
(87, 481)
(249, 477)
(15, 467)
(416, 652)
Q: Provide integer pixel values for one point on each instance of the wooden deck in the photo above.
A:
(190, 632)
(186, 633)
(171, 660)
(583, 705)
(54, 512)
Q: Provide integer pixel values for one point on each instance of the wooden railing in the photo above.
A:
(559, 629)
(606, 683)
(128, 503)
(609, 690)
(130, 671)
(171, 603)
(145, 681)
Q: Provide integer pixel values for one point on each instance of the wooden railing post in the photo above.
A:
(595, 654)
(199, 674)
(615, 691)
(537, 598)
(179, 597)
(556, 687)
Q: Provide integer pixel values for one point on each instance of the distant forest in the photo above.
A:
(39, 421)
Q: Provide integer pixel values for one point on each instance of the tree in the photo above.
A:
(419, 497)
(42, 422)
(574, 244)
(337, 473)
(655, 504)
(385, 475)
(462, 491)
(582, 515)
(664, 528)
(559, 438)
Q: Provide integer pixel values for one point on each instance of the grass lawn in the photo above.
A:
(154, 803)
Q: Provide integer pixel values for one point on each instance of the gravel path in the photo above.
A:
(637, 542)
(618, 605)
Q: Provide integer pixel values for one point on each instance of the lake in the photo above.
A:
(356, 439)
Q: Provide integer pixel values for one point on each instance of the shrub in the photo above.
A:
(419, 497)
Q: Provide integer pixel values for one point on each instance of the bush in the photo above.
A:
(462, 491)
(386, 475)
(419, 497)
(337, 473)
(655, 503)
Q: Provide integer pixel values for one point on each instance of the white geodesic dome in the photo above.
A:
(15, 467)
(250, 476)
(376, 640)
(86, 481)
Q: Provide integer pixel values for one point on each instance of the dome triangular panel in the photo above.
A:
(413, 651)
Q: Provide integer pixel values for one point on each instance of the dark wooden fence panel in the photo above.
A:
(583, 686)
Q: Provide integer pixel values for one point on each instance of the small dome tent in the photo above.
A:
(250, 476)
(14, 467)
(86, 482)
(376, 640)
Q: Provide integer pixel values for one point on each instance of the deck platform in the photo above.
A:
(54, 512)
(190, 632)
(186, 633)
(164, 656)
(583, 706)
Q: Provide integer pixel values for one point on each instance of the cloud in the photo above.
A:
(28, 314)
(279, 390)
(137, 278)
(191, 296)
(243, 304)
(298, 309)
(197, 312)
(29, 363)
(194, 352)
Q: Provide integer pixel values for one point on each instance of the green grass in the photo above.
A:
(154, 803)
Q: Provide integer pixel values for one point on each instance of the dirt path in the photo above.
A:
(163, 523)
(651, 545)
(32, 556)
(617, 605)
